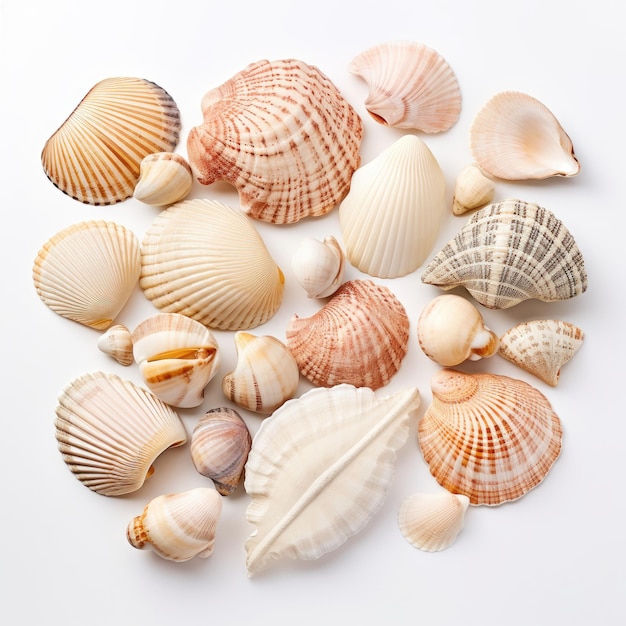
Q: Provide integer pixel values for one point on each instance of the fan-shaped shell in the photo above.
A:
(164, 178)
(488, 436)
(282, 134)
(87, 271)
(96, 153)
(117, 342)
(472, 190)
(110, 431)
(360, 337)
(509, 252)
(203, 259)
(410, 86)
(319, 266)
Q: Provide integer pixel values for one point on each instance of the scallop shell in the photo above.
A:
(472, 190)
(391, 217)
(319, 266)
(541, 347)
(110, 432)
(95, 155)
(164, 178)
(266, 374)
(410, 86)
(487, 436)
(516, 137)
(178, 526)
(202, 259)
(220, 444)
(87, 271)
(509, 252)
(117, 343)
(432, 521)
(282, 134)
(360, 337)
(177, 357)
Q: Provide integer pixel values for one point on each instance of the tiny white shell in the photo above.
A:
(164, 178)
(117, 343)
(472, 190)
(319, 266)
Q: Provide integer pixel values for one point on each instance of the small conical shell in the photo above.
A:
(117, 343)
(319, 266)
(164, 178)
(472, 190)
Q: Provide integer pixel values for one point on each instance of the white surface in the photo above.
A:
(554, 556)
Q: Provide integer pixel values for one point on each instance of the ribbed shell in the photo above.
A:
(203, 259)
(360, 337)
(509, 252)
(96, 153)
(488, 436)
(282, 134)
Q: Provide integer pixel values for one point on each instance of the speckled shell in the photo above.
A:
(164, 178)
(282, 134)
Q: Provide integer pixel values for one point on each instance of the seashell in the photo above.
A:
(432, 521)
(541, 347)
(391, 217)
(319, 266)
(509, 252)
(87, 272)
(95, 155)
(110, 432)
(117, 343)
(266, 374)
(320, 468)
(410, 86)
(202, 259)
(164, 178)
(283, 135)
(177, 357)
(360, 337)
(488, 436)
(450, 330)
(516, 137)
(178, 526)
(220, 444)
(472, 190)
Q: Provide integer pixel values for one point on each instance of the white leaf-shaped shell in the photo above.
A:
(472, 190)
(164, 178)
(319, 266)
(320, 468)
(117, 343)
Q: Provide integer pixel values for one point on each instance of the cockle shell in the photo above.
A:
(320, 468)
(87, 271)
(220, 444)
(392, 214)
(96, 153)
(450, 330)
(432, 521)
(541, 347)
(360, 337)
(509, 252)
(177, 357)
(178, 526)
(110, 431)
(164, 178)
(266, 374)
(516, 137)
(410, 86)
(117, 343)
(282, 134)
(488, 436)
(319, 266)
(203, 259)
(472, 190)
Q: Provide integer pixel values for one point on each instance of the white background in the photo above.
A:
(554, 556)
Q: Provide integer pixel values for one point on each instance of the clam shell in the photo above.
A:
(392, 214)
(360, 337)
(410, 86)
(110, 431)
(203, 259)
(164, 178)
(96, 153)
(516, 137)
(509, 252)
(472, 190)
(488, 436)
(87, 271)
(319, 266)
(117, 343)
(282, 134)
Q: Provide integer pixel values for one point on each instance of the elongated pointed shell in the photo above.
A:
(117, 342)
(541, 347)
(320, 468)
(87, 271)
(202, 259)
(95, 155)
(178, 526)
(472, 190)
(487, 436)
(509, 252)
(110, 431)
(282, 134)
(360, 337)
(319, 266)
(164, 178)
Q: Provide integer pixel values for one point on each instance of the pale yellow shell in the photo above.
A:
(164, 178)
(117, 342)
(472, 190)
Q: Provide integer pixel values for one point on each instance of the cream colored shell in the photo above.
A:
(164, 178)
(319, 266)
(472, 190)
(117, 342)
